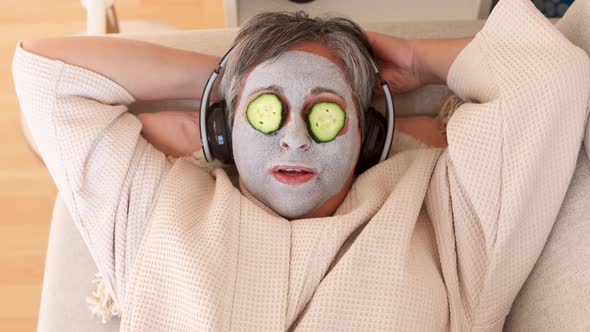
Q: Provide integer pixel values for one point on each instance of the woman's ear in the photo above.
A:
(174, 133)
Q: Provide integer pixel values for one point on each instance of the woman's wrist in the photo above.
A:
(422, 62)
(434, 57)
(193, 71)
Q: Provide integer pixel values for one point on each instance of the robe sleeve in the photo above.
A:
(512, 151)
(107, 174)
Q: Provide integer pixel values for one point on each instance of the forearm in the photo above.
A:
(147, 71)
(434, 57)
(173, 133)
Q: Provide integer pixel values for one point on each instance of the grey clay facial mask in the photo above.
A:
(296, 74)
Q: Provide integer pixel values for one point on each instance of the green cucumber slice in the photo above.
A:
(325, 120)
(265, 113)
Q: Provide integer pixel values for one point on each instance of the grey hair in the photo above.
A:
(266, 36)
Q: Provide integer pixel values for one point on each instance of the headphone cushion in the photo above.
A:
(219, 133)
(373, 141)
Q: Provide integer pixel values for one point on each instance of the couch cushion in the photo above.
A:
(551, 299)
(69, 271)
(556, 295)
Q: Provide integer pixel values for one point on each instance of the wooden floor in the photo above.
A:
(26, 189)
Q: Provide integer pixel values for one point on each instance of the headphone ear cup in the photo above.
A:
(219, 133)
(373, 141)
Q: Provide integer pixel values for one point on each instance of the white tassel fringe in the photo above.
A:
(101, 303)
(450, 104)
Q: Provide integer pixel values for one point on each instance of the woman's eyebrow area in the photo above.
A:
(274, 88)
(318, 90)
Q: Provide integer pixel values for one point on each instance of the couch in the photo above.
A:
(555, 297)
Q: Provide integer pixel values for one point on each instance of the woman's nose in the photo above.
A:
(296, 138)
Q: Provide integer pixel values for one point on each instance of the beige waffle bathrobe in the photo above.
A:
(430, 240)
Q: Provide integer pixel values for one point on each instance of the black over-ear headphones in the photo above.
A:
(216, 132)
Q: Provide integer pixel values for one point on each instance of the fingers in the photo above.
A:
(376, 41)
(383, 45)
(395, 59)
(371, 36)
(377, 91)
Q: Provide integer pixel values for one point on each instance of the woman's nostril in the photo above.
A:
(295, 140)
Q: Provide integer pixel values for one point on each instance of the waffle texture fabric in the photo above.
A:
(431, 239)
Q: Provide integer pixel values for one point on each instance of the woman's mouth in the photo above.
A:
(293, 174)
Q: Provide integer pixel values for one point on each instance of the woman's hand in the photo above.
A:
(409, 64)
(174, 133)
(396, 58)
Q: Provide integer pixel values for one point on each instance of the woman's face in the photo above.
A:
(295, 170)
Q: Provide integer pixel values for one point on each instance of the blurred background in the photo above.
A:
(27, 192)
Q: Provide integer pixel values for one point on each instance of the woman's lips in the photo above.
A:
(293, 174)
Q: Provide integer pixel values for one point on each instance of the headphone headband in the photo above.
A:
(205, 105)
(389, 116)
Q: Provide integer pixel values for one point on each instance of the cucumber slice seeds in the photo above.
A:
(265, 113)
(325, 120)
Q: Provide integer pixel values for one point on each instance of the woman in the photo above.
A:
(431, 239)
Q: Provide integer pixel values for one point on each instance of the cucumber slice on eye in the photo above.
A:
(265, 113)
(325, 120)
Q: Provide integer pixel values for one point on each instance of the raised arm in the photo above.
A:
(512, 151)
(73, 94)
(513, 145)
(147, 71)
